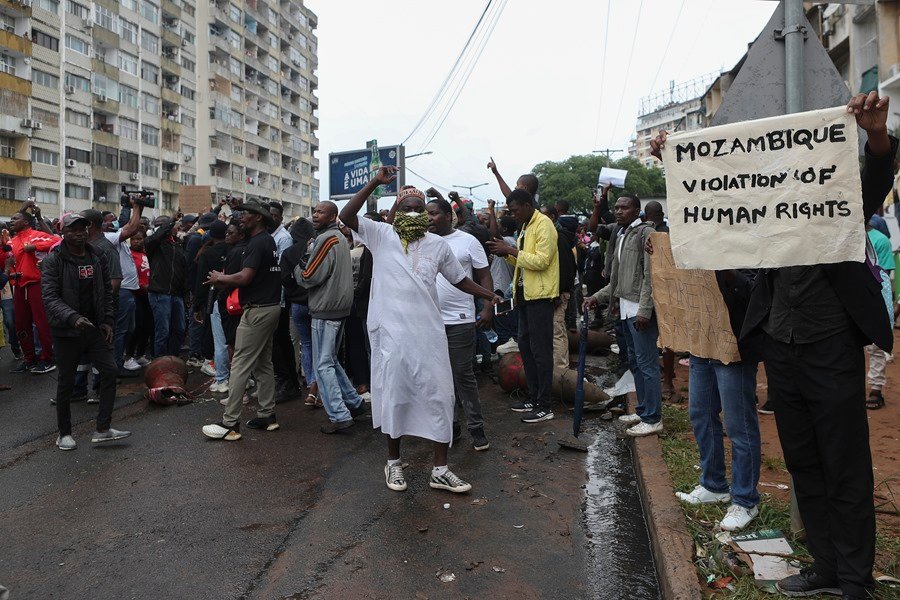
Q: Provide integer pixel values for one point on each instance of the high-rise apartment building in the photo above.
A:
(156, 94)
(258, 122)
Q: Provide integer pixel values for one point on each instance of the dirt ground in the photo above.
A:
(884, 438)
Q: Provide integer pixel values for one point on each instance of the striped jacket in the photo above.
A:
(328, 275)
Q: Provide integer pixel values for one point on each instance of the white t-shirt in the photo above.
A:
(129, 270)
(459, 307)
(627, 308)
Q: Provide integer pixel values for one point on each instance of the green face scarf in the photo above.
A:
(410, 227)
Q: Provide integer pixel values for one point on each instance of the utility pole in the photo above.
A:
(794, 37)
(607, 151)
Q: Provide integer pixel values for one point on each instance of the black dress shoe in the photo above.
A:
(808, 583)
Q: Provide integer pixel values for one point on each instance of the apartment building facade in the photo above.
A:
(99, 95)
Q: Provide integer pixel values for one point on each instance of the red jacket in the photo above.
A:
(27, 262)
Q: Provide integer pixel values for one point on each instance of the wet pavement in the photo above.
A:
(297, 514)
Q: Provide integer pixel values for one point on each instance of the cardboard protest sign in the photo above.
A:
(614, 176)
(691, 314)
(775, 192)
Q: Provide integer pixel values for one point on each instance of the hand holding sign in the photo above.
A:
(774, 192)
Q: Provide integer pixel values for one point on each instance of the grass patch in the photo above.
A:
(683, 460)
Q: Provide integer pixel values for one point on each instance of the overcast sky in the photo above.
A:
(537, 89)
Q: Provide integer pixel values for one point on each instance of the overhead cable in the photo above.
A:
(602, 74)
(440, 91)
(488, 30)
(628, 68)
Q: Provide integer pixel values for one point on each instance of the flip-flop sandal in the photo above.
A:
(310, 400)
(875, 402)
(667, 395)
(319, 403)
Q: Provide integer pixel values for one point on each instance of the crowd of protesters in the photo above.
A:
(389, 316)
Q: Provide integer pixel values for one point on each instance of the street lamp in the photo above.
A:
(408, 156)
(469, 187)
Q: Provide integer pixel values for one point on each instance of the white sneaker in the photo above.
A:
(631, 419)
(220, 431)
(194, 362)
(143, 361)
(65, 442)
(701, 495)
(507, 347)
(738, 517)
(450, 482)
(219, 387)
(393, 477)
(642, 429)
(208, 369)
(131, 365)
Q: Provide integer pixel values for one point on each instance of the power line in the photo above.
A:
(665, 53)
(428, 181)
(462, 84)
(602, 72)
(628, 68)
(440, 91)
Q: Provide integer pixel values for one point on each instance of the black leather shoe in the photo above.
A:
(808, 583)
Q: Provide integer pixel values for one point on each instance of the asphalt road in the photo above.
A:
(297, 514)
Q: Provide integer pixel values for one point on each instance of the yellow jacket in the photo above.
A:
(538, 259)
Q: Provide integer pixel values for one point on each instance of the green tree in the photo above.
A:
(575, 178)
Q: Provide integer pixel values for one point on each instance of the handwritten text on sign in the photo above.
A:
(776, 192)
(691, 314)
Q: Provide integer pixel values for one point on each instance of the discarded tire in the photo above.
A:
(511, 372)
(165, 378)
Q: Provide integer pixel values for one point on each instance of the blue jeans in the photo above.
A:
(223, 366)
(168, 319)
(124, 324)
(715, 387)
(335, 388)
(9, 325)
(303, 327)
(643, 360)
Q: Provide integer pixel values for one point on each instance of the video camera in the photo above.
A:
(145, 198)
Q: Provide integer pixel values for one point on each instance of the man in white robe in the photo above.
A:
(412, 385)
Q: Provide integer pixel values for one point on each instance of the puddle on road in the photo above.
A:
(622, 563)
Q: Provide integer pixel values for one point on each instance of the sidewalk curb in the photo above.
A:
(670, 541)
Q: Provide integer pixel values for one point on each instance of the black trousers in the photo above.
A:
(283, 360)
(536, 348)
(819, 391)
(69, 351)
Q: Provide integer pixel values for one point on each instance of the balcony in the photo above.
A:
(105, 138)
(15, 167)
(171, 66)
(15, 84)
(104, 68)
(170, 95)
(106, 174)
(171, 8)
(169, 186)
(171, 126)
(171, 36)
(17, 8)
(109, 105)
(16, 43)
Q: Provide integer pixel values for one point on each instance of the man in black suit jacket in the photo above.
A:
(816, 321)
